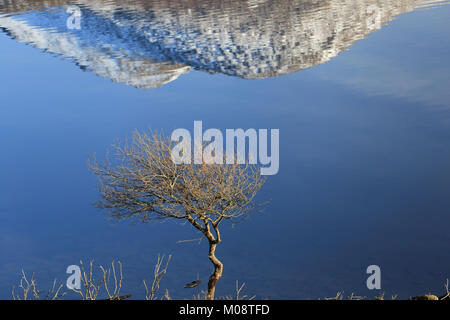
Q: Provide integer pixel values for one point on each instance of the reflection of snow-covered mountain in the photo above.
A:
(149, 43)
(108, 57)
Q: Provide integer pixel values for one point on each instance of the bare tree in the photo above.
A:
(145, 183)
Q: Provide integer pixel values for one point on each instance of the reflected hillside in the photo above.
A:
(149, 43)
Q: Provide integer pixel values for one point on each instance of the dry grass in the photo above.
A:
(159, 273)
(28, 290)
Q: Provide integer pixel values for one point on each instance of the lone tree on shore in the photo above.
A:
(145, 183)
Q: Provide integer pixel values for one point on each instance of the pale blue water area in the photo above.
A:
(364, 138)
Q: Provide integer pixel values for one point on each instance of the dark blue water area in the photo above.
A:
(364, 169)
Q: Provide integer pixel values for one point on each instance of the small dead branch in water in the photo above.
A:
(199, 240)
(193, 284)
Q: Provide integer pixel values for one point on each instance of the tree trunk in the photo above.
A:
(218, 269)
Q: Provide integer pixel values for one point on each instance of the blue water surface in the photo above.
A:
(364, 163)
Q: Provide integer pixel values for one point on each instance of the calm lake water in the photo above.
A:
(358, 88)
